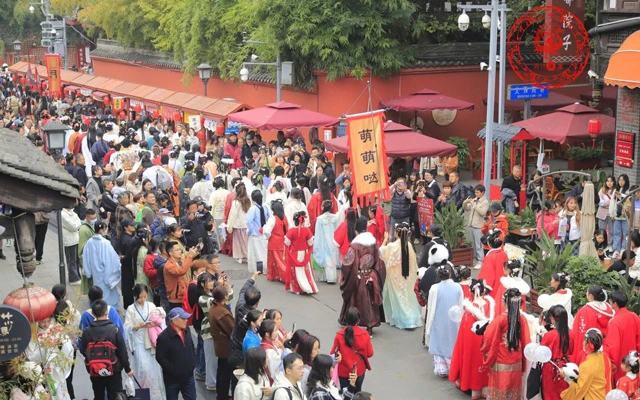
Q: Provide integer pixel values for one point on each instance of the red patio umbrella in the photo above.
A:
(555, 100)
(426, 100)
(282, 115)
(568, 123)
(402, 141)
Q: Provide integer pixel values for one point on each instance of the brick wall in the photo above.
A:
(628, 120)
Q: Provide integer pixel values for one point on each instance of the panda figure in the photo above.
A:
(438, 254)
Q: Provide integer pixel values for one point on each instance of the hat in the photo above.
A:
(178, 312)
(250, 136)
(495, 207)
(164, 211)
(170, 221)
(127, 222)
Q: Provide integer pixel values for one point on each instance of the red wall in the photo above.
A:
(347, 95)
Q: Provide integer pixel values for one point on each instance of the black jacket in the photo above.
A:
(177, 359)
(99, 330)
(195, 230)
(240, 326)
(433, 190)
(460, 193)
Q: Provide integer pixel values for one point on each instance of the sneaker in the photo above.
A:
(478, 265)
(39, 262)
(211, 388)
(199, 377)
(239, 260)
(76, 283)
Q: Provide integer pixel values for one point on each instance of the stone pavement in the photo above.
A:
(402, 369)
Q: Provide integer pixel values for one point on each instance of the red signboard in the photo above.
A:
(625, 149)
(425, 214)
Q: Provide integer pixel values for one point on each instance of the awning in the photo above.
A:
(199, 103)
(224, 108)
(506, 133)
(159, 95)
(109, 85)
(554, 101)
(623, 65)
(71, 88)
(178, 99)
(97, 95)
(125, 88)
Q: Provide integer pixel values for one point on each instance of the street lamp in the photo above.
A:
(32, 9)
(486, 21)
(463, 21)
(244, 74)
(204, 71)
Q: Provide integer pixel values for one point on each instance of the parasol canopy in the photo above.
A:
(568, 123)
(555, 100)
(587, 222)
(426, 100)
(282, 115)
(402, 141)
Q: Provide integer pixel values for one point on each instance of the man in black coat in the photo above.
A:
(514, 183)
(177, 357)
(102, 329)
(129, 243)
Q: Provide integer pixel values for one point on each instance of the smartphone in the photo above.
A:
(259, 267)
(293, 328)
(200, 241)
(355, 368)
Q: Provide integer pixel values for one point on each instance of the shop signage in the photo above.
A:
(625, 145)
(15, 333)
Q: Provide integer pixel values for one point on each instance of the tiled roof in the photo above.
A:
(457, 54)
(20, 159)
(114, 50)
(501, 132)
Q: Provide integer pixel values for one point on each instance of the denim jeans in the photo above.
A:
(201, 366)
(620, 233)
(211, 362)
(607, 224)
(187, 388)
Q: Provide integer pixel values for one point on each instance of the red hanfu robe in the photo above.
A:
(467, 358)
(628, 384)
(589, 316)
(315, 208)
(377, 226)
(276, 264)
(466, 291)
(507, 282)
(623, 337)
(552, 383)
(341, 237)
(300, 275)
(493, 269)
(227, 247)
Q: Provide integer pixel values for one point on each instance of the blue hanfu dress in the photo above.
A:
(101, 262)
(441, 332)
(326, 252)
(401, 308)
(257, 242)
(141, 351)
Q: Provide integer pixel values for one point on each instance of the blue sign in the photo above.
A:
(527, 92)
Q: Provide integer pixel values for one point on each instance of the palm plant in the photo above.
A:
(453, 225)
(546, 261)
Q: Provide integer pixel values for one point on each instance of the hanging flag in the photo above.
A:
(30, 80)
(53, 72)
(370, 179)
(118, 103)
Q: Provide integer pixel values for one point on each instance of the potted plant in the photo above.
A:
(584, 158)
(454, 232)
(463, 150)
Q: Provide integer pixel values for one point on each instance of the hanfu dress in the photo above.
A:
(467, 358)
(401, 308)
(141, 351)
(552, 383)
(299, 241)
(561, 297)
(315, 208)
(274, 230)
(237, 225)
(227, 247)
(101, 262)
(326, 256)
(506, 283)
(257, 242)
(441, 332)
(594, 314)
(59, 359)
(493, 269)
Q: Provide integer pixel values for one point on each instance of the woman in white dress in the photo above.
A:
(295, 205)
(140, 348)
(257, 218)
(237, 223)
(561, 295)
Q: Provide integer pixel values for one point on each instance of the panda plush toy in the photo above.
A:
(438, 255)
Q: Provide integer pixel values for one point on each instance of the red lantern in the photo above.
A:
(594, 127)
(177, 116)
(155, 114)
(42, 302)
(219, 129)
(23, 80)
(122, 115)
(138, 109)
(106, 101)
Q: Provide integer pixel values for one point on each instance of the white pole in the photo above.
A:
(501, 83)
(278, 77)
(491, 95)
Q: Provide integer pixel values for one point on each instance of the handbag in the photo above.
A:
(141, 393)
(534, 381)
(602, 213)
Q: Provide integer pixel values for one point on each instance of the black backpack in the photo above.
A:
(273, 394)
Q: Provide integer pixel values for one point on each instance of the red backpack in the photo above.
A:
(101, 357)
(193, 310)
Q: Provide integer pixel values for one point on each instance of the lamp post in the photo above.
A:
(594, 126)
(204, 72)
(494, 9)
(45, 7)
(17, 46)
(244, 72)
(55, 133)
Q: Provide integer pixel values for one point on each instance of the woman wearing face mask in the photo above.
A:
(594, 377)
(257, 217)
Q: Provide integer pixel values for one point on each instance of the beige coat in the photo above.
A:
(476, 210)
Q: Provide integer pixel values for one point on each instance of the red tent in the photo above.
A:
(426, 100)
(402, 141)
(555, 100)
(282, 115)
(568, 123)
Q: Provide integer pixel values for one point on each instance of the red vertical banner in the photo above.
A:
(425, 214)
(561, 46)
(367, 153)
(53, 74)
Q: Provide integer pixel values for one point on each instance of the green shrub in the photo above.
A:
(585, 271)
(580, 154)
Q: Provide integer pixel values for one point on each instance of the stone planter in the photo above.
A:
(463, 256)
(584, 164)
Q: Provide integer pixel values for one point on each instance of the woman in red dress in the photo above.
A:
(493, 263)
(467, 358)
(274, 230)
(377, 223)
(504, 341)
(227, 247)
(315, 204)
(595, 314)
(559, 341)
(464, 274)
(299, 241)
(346, 232)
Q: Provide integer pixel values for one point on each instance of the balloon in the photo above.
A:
(530, 351)
(617, 394)
(455, 313)
(542, 354)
